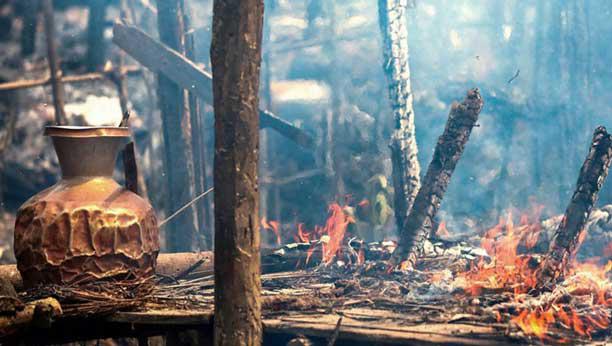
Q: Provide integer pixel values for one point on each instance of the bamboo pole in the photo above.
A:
(54, 67)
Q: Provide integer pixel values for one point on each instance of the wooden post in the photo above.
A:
(181, 235)
(197, 144)
(29, 11)
(56, 87)
(96, 52)
(236, 59)
(417, 226)
(406, 168)
(566, 241)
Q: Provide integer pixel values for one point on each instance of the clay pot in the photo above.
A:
(86, 227)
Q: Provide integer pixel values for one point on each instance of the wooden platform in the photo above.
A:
(359, 327)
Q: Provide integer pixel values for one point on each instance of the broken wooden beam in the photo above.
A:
(418, 225)
(569, 234)
(161, 59)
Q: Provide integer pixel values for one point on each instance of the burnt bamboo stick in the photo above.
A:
(566, 240)
(86, 77)
(170, 63)
(418, 225)
(181, 236)
(56, 87)
(236, 60)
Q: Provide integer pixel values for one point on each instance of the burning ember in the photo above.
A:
(505, 274)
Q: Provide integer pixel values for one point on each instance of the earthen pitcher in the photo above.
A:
(86, 227)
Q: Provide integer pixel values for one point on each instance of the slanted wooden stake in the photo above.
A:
(567, 238)
(181, 236)
(56, 87)
(236, 58)
(418, 225)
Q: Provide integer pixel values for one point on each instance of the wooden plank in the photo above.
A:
(184, 72)
(165, 317)
(380, 329)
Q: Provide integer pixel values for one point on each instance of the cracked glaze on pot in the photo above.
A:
(85, 227)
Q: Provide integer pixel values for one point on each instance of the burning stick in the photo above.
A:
(418, 225)
(567, 238)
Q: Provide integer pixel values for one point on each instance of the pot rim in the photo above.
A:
(86, 131)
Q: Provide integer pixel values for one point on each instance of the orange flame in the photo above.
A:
(273, 226)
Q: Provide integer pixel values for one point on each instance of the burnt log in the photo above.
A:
(177, 144)
(162, 59)
(418, 225)
(235, 56)
(569, 234)
(406, 168)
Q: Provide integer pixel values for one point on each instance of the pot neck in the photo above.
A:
(87, 156)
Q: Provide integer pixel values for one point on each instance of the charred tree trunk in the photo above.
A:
(96, 52)
(56, 86)
(181, 236)
(236, 59)
(418, 224)
(406, 168)
(567, 238)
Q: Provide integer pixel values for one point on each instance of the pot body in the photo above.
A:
(86, 227)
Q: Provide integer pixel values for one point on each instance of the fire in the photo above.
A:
(273, 226)
(330, 236)
(442, 231)
(580, 303)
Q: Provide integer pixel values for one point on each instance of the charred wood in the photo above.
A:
(236, 60)
(568, 236)
(406, 168)
(164, 60)
(418, 226)
(181, 236)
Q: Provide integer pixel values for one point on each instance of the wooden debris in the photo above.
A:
(418, 225)
(567, 237)
(54, 67)
(236, 59)
(159, 58)
(34, 312)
